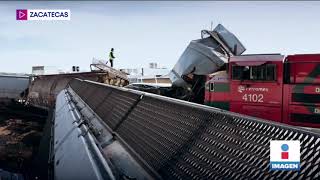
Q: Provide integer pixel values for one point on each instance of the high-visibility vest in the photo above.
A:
(111, 57)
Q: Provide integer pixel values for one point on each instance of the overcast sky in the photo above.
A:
(143, 32)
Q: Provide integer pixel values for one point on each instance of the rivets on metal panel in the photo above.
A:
(81, 123)
(84, 133)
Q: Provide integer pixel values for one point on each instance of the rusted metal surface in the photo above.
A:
(44, 89)
(113, 72)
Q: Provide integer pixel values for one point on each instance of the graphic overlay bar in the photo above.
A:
(43, 14)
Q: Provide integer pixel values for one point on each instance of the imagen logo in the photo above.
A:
(43, 14)
(284, 155)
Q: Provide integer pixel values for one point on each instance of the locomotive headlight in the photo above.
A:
(317, 90)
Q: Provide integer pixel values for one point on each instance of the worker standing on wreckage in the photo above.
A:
(111, 57)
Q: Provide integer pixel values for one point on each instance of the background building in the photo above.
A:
(151, 74)
(45, 70)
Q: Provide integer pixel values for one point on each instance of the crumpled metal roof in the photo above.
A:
(206, 55)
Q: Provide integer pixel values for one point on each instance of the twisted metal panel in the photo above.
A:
(179, 140)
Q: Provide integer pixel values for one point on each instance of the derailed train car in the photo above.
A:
(43, 89)
(202, 57)
(275, 87)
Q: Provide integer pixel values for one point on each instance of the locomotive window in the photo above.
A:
(271, 72)
(265, 72)
(237, 72)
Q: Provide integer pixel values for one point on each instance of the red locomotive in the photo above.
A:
(269, 86)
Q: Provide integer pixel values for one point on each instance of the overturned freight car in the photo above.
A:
(43, 89)
(202, 57)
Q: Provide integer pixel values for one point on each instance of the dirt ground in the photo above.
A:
(19, 141)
